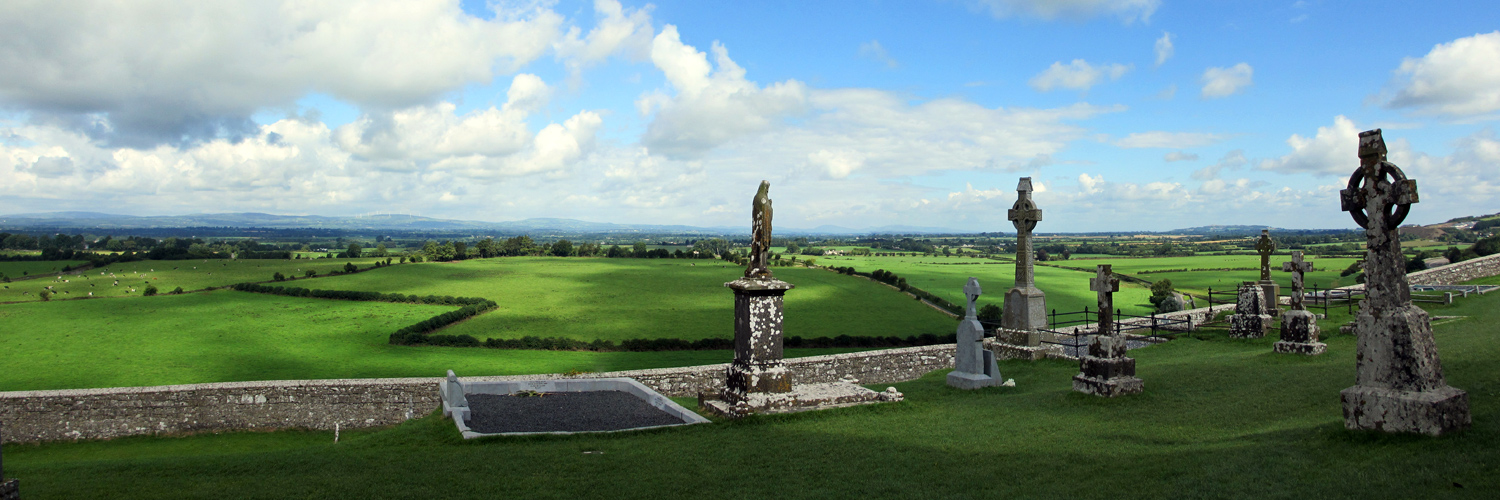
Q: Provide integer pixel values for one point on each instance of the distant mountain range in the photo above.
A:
(392, 222)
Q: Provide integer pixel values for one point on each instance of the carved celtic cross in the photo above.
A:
(1297, 266)
(1265, 245)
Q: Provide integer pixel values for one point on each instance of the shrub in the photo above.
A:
(989, 315)
(150, 290)
(46, 295)
(278, 277)
(310, 273)
(177, 291)
(349, 267)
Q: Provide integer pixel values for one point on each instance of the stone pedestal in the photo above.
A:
(1401, 386)
(1270, 297)
(757, 366)
(1106, 371)
(1250, 320)
(1025, 309)
(1029, 345)
(1299, 334)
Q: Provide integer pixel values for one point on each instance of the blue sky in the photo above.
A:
(1129, 114)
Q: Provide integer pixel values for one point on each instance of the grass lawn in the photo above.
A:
(21, 269)
(618, 299)
(1067, 290)
(1220, 418)
(192, 274)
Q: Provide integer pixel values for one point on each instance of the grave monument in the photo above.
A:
(1105, 369)
(973, 366)
(1265, 246)
(757, 381)
(1024, 318)
(1399, 384)
(1251, 318)
(1299, 327)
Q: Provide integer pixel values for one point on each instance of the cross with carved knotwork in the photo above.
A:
(1297, 266)
(1106, 284)
(972, 291)
(1024, 214)
(1265, 245)
(1396, 194)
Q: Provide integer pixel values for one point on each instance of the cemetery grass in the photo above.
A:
(619, 299)
(1220, 418)
(225, 336)
(167, 275)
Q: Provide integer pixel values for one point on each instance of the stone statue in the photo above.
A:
(760, 234)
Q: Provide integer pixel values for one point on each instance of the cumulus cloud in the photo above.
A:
(1164, 48)
(1458, 78)
(1172, 140)
(1078, 75)
(1332, 151)
(1224, 82)
(1179, 156)
(712, 106)
(1465, 182)
(1232, 159)
(622, 31)
(162, 70)
(873, 50)
(1128, 11)
(836, 164)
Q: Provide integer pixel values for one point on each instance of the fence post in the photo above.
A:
(1153, 323)
(1117, 321)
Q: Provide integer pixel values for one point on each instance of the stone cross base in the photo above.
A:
(10, 490)
(1005, 349)
(746, 378)
(1433, 412)
(757, 366)
(966, 380)
(1269, 294)
(1299, 334)
(1249, 326)
(803, 397)
(1106, 371)
(1024, 309)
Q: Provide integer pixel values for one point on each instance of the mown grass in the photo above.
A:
(166, 275)
(1220, 418)
(618, 299)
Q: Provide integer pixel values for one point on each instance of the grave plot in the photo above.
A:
(513, 408)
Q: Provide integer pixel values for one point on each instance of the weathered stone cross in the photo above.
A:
(1265, 246)
(1024, 214)
(1297, 266)
(972, 291)
(1105, 283)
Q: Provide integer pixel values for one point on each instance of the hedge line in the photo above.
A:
(411, 335)
(641, 345)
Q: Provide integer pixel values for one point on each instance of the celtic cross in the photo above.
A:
(1297, 266)
(1265, 246)
(1105, 283)
(1024, 214)
(972, 291)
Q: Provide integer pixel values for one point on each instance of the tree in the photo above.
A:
(177, 291)
(149, 291)
(562, 248)
(989, 316)
(615, 252)
(792, 247)
(380, 250)
(1160, 290)
(1487, 246)
(349, 267)
(640, 249)
(1041, 255)
(486, 248)
(310, 273)
(278, 277)
(355, 250)
(460, 250)
(46, 295)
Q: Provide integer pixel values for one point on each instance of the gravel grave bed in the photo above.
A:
(563, 412)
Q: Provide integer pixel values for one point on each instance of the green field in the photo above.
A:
(618, 299)
(1067, 290)
(1220, 418)
(224, 336)
(21, 269)
(193, 274)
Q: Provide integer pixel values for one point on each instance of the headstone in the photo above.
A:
(1265, 246)
(1250, 320)
(1025, 305)
(1105, 369)
(973, 365)
(1399, 382)
(1299, 327)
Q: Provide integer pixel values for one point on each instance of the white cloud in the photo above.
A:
(1224, 82)
(1127, 10)
(1332, 151)
(873, 50)
(161, 70)
(712, 106)
(1180, 156)
(621, 31)
(1458, 78)
(1164, 49)
(835, 164)
(1232, 159)
(1171, 140)
(970, 196)
(1078, 75)
(1168, 93)
(1465, 182)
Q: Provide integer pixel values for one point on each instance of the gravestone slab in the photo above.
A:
(1299, 327)
(1105, 370)
(1399, 378)
(973, 366)
(1250, 319)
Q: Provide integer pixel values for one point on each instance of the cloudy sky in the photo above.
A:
(1128, 114)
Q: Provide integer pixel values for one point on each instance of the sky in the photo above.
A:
(1127, 114)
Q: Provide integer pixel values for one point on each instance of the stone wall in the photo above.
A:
(1453, 274)
(33, 416)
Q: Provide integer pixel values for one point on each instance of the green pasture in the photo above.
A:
(618, 299)
(22, 269)
(191, 274)
(1067, 290)
(225, 336)
(1219, 418)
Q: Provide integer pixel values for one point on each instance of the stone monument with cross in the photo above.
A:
(758, 381)
(1251, 318)
(1105, 371)
(1399, 378)
(1299, 327)
(1265, 246)
(973, 365)
(1023, 320)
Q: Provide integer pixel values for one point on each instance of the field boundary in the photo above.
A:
(75, 414)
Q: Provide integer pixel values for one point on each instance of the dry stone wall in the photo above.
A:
(1453, 274)
(34, 416)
